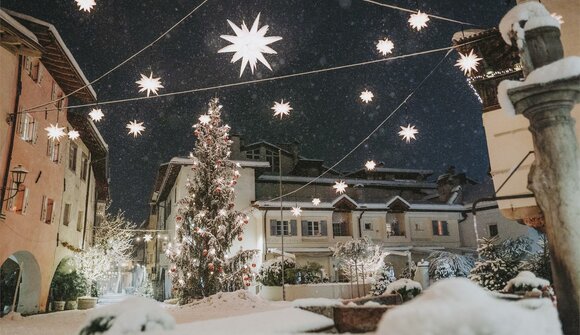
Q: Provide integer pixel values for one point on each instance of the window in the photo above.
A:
(80, 219)
(27, 127)
(19, 202)
(493, 231)
(282, 226)
(368, 226)
(40, 73)
(277, 227)
(440, 228)
(84, 166)
(419, 227)
(395, 228)
(66, 215)
(47, 213)
(274, 159)
(53, 150)
(53, 91)
(313, 228)
(340, 229)
(253, 154)
(28, 65)
(72, 157)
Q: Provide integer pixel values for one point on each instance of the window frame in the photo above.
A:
(66, 214)
(285, 224)
(312, 227)
(72, 156)
(442, 227)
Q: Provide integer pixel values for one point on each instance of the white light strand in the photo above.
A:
(414, 11)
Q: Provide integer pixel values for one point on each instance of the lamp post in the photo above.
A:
(18, 174)
(281, 219)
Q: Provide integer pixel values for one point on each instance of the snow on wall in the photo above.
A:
(458, 306)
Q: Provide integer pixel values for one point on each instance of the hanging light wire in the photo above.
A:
(372, 132)
(415, 12)
(128, 59)
(256, 81)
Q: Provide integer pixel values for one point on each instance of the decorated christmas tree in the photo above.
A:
(207, 224)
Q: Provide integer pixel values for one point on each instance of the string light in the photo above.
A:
(55, 132)
(385, 46)
(408, 133)
(149, 84)
(147, 237)
(418, 20)
(135, 128)
(367, 96)
(316, 201)
(340, 187)
(86, 5)
(370, 165)
(204, 119)
(296, 211)
(249, 45)
(96, 114)
(468, 63)
(281, 108)
(73, 134)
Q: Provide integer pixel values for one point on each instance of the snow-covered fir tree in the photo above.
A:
(539, 262)
(499, 263)
(444, 264)
(383, 277)
(207, 224)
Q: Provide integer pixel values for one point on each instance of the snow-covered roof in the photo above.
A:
(22, 29)
(243, 163)
(385, 183)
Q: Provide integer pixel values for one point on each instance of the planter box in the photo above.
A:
(86, 302)
(272, 293)
(358, 319)
(70, 305)
(59, 305)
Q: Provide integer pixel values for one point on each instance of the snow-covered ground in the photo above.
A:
(214, 307)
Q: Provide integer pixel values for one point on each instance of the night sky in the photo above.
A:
(328, 118)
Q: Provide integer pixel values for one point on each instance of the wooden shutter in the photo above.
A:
(25, 201)
(304, 225)
(20, 119)
(445, 228)
(43, 210)
(53, 212)
(323, 228)
(292, 227)
(435, 227)
(34, 131)
(273, 229)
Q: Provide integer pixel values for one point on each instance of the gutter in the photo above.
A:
(265, 235)
(359, 220)
(87, 202)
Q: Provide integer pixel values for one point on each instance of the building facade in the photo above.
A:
(38, 73)
(399, 209)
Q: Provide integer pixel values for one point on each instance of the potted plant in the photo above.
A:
(76, 286)
(59, 289)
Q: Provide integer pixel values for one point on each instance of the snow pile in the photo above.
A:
(457, 306)
(222, 304)
(14, 316)
(527, 281)
(407, 288)
(561, 69)
(316, 302)
(534, 14)
(131, 316)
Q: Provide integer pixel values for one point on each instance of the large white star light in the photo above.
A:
(204, 119)
(370, 165)
(135, 128)
(96, 114)
(149, 84)
(147, 237)
(385, 46)
(281, 108)
(468, 63)
(55, 132)
(367, 96)
(296, 211)
(408, 133)
(249, 45)
(340, 186)
(418, 20)
(73, 134)
(86, 5)
(316, 201)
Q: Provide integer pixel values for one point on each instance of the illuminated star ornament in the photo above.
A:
(249, 45)
(135, 128)
(296, 211)
(73, 134)
(468, 63)
(147, 237)
(86, 5)
(281, 108)
(367, 96)
(385, 46)
(408, 133)
(149, 84)
(204, 119)
(55, 132)
(340, 186)
(370, 165)
(418, 20)
(316, 201)
(96, 114)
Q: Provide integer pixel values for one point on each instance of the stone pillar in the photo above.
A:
(422, 274)
(555, 174)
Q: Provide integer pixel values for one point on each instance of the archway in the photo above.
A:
(20, 265)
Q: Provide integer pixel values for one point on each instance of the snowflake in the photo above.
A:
(468, 63)
(135, 128)
(96, 114)
(418, 20)
(55, 132)
(316, 201)
(149, 84)
(204, 119)
(249, 45)
(385, 46)
(296, 211)
(408, 133)
(86, 5)
(281, 108)
(367, 96)
(370, 165)
(340, 186)
(73, 134)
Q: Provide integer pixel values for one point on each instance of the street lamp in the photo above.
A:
(18, 176)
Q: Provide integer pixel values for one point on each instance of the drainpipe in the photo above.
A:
(87, 202)
(359, 226)
(12, 118)
(265, 236)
